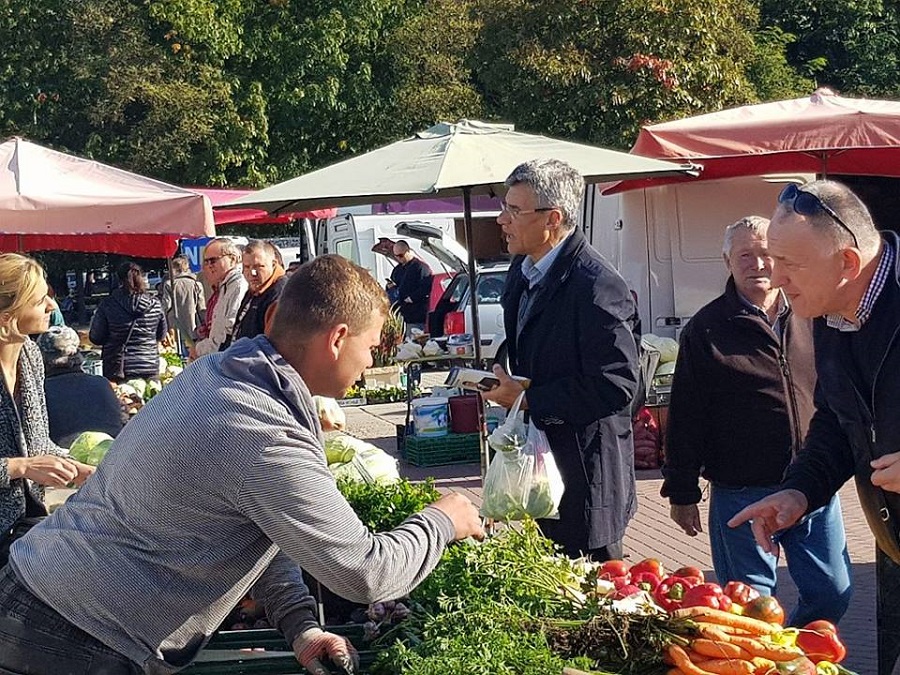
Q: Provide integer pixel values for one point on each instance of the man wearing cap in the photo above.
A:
(68, 387)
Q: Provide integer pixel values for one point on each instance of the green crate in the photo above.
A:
(436, 451)
(233, 662)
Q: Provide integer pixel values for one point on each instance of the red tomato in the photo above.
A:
(651, 565)
(765, 608)
(689, 571)
(612, 569)
(740, 593)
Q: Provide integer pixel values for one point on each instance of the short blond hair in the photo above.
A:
(20, 277)
(327, 291)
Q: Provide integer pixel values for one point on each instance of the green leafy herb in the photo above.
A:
(383, 506)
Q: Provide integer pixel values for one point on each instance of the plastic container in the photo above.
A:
(464, 415)
(494, 416)
(462, 344)
(431, 416)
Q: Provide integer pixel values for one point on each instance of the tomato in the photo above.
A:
(651, 565)
(820, 642)
(765, 608)
(740, 593)
(612, 569)
(689, 571)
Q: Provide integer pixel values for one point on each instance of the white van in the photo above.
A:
(667, 241)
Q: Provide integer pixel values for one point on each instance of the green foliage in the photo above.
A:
(771, 74)
(385, 353)
(383, 506)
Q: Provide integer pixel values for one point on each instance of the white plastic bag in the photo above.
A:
(523, 478)
(546, 485)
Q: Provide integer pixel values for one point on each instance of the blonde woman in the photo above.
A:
(29, 460)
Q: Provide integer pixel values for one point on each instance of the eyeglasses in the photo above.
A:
(213, 260)
(807, 204)
(514, 211)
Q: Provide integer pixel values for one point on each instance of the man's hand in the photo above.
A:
(887, 472)
(687, 516)
(463, 514)
(770, 515)
(314, 646)
(507, 391)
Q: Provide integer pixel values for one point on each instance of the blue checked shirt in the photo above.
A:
(864, 311)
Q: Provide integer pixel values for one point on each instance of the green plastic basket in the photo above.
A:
(436, 451)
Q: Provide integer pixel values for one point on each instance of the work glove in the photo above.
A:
(314, 646)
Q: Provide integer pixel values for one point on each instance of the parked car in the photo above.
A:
(452, 314)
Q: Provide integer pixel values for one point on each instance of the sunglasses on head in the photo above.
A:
(807, 204)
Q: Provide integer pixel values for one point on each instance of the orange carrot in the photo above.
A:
(684, 663)
(729, 667)
(717, 616)
(764, 666)
(711, 631)
(766, 650)
(718, 649)
(674, 671)
(694, 656)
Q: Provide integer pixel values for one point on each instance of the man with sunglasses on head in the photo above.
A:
(834, 265)
(222, 271)
(568, 316)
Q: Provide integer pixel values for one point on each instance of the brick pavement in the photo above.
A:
(652, 533)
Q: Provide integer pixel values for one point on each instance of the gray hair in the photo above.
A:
(227, 247)
(555, 184)
(844, 202)
(755, 224)
(267, 247)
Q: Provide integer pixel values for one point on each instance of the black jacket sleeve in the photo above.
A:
(416, 282)
(826, 461)
(689, 409)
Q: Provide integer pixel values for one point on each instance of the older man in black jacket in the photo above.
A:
(567, 315)
(832, 264)
(747, 360)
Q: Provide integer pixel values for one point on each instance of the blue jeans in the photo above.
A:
(35, 640)
(815, 549)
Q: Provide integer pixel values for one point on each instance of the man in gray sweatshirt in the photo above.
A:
(218, 486)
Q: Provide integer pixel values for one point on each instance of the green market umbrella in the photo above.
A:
(447, 160)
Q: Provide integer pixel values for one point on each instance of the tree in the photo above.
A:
(850, 45)
(596, 70)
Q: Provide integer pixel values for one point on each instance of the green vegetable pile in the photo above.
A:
(514, 605)
(383, 506)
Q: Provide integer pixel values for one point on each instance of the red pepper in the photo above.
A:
(740, 593)
(651, 565)
(819, 641)
(626, 591)
(707, 595)
(646, 581)
(670, 592)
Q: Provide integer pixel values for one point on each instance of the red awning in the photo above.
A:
(218, 196)
(823, 134)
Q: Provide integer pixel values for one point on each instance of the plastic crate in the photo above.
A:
(436, 451)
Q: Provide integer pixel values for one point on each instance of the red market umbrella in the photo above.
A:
(822, 133)
(50, 200)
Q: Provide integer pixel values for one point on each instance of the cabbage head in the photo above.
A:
(90, 447)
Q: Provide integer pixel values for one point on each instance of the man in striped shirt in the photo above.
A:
(833, 264)
(220, 485)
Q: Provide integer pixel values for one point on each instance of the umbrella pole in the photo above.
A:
(476, 326)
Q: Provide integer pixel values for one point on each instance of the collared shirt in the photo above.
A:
(534, 272)
(864, 311)
(783, 309)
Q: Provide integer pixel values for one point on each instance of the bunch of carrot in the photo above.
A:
(727, 644)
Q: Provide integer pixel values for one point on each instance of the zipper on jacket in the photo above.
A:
(789, 387)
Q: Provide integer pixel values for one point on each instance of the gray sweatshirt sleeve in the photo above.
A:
(289, 606)
(293, 498)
